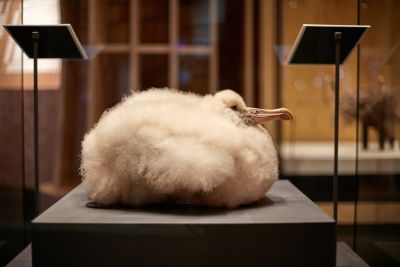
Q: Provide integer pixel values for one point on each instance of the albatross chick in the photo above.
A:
(165, 145)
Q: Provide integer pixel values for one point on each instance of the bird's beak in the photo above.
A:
(264, 115)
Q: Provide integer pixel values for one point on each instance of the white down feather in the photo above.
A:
(164, 145)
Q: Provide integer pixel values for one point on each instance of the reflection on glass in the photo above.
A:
(194, 22)
(193, 74)
(154, 21)
(153, 71)
(378, 205)
(371, 199)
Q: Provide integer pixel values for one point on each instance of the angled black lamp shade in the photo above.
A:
(44, 41)
(55, 41)
(327, 44)
(315, 43)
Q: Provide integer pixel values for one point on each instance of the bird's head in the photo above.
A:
(234, 107)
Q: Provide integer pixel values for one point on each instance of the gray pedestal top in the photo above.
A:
(283, 229)
(284, 203)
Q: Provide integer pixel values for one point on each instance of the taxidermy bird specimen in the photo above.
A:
(164, 145)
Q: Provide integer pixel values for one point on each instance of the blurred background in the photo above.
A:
(203, 46)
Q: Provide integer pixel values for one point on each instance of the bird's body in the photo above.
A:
(164, 145)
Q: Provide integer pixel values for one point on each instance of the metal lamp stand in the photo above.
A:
(35, 42)
(337, 38)
(56, 41)
(328, 44)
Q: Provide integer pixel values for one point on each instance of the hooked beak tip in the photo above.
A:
(260, 116)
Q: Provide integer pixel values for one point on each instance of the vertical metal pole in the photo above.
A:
(35, 39)
(337, 37)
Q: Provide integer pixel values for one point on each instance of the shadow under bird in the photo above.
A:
(164, 145)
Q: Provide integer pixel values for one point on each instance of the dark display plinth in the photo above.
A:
(286, 229)
(345, 257)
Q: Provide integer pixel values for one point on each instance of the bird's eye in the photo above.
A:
(234, 107)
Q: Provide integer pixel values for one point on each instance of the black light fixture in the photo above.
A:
(328, 44)
(44, 41)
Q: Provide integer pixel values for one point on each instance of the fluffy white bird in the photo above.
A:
(165, 145)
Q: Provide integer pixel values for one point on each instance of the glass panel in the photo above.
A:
(193, 73)
(378, 216)
(194, 22)
(154, 19)
(153, 71)
(11, 138)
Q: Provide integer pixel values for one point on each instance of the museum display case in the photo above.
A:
(204, 46)
(369, 152)
(377, 232)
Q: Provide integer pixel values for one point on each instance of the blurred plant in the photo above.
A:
(377, 110)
